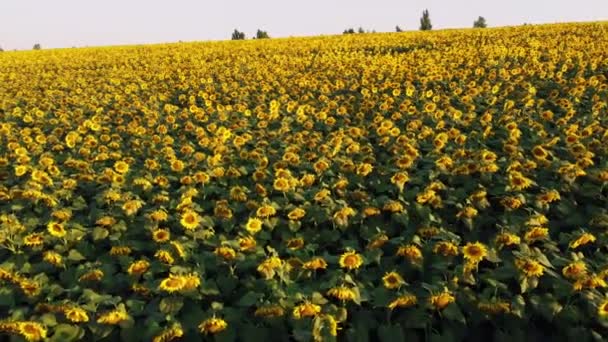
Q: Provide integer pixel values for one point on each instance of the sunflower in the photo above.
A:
(121, 167)
(536, 234)
(170, 334)
(281, 184)
(378, 242)
(342, 293)
(33, 240)
(316, 263)
(247, 244)
(539, 152)
(120, 250)
(295, 243)
(350, 260)
(445, 248)
(411, 252)
(602, 309)
(159, 215)
(190, 220)
(32, 331)
(138, 267)
(575, 270)
(306, 309)
(529, 267)
(93, 275)
(392, 280)
(269, 266)
(76, 315)
(113, 317)
(583, 239)
(165, 256)
(404, 301)
(475, 252)
(225, 252)
(161, 235)
(442, 300)
(253, 225)
(212, 326)
(494, 307)
(192, 281)
(173, 283)
(269, 311)
(132, 207)
(507, 239)
(266, 211)
(52, 258)
(56, 229)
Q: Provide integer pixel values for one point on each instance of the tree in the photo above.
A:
(349, 31)
(1, 49)
(261, 35)
(425, 21)
(398, 29)
(236, 35)
(360, 30)
(37, 46)
(480, 23)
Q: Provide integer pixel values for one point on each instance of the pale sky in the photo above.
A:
(67, 23)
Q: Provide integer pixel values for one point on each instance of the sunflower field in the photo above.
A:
(420, 186)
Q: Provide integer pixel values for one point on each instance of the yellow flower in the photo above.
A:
(316, 263)
(113, 317)
(266, 211)
(192, 281)
(33, 240)
(474, 252)
(399, 179)
(56, 229)
(392, 280)
(602, 309)
(269, 266)
(404, 301)
(93, 275)
(32, 331)
(411, 252)
(281, 184)
(445, 248)
(584, 239)
(507, 239)
(442, 300)
(269, 311)
(225, 252)
(296, 214)
(20, 170)
(529, 267)
(535, 234)
(342, 293)
(190, 220)
(170, 334)
(350, 260)
(121, 167)
(306, 309)
(52, 258)
(165, 256)
(138, 267)
(247, 244)
(575, 270)
(253, 225)
(76, 315)
(161, 235)
(172, 284)
(132, 207)
(494, 308)
(212, 326)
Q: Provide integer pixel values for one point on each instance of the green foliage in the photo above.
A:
(480, 23)
(261, 34)
(237, 35)
(425, 21)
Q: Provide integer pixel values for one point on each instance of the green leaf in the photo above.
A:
(66, 333)
(249, 299)
(171, 305)
(99, 233)
(75, 255)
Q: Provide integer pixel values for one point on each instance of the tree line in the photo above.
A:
(425, 25)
